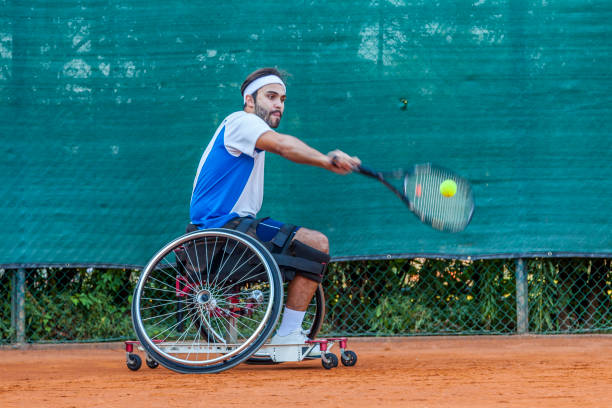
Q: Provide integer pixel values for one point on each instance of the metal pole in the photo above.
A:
(14, 301)
(18, 306)
(522, 306)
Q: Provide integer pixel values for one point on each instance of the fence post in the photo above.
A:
(18, 305)
(522, 306)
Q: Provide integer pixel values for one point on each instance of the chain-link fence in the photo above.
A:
(364, 298)
(432, 296)
(66, 304)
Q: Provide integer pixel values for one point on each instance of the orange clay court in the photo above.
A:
(487, 371)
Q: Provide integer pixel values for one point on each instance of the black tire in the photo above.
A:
(351, 358)
(317, 315)
(263, 360)
(134, 362)
(332, 361)
(151, 363)
(218, 269)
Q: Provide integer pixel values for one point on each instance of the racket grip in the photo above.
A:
(366, 171)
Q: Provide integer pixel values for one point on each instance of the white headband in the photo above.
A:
(260, 82)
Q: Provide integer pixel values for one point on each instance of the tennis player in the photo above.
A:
(229, 182)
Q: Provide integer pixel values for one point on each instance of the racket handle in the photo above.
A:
(366, 171)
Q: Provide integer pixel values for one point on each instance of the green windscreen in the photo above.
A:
(107, 106)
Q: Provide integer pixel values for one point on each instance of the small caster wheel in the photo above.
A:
(134, 362)
(332, 361)
(151, 363)
(351, 358)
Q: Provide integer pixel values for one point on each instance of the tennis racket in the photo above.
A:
(437, 196)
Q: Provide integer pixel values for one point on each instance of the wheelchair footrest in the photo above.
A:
(267, 354)
(288, 352)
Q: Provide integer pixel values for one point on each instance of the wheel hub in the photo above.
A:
(205, 298)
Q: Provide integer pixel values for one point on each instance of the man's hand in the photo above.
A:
(341, 162)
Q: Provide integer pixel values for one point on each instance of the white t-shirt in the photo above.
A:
(230, 178)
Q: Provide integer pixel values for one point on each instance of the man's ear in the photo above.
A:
(250, 102)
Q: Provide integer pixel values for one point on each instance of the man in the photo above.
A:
(229, 181)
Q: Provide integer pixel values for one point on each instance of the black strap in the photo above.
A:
(283, 235)
(244, 224)
(299, 264)
(301, 250)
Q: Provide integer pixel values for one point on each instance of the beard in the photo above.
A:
(266, 115)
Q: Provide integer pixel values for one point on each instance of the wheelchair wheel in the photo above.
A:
(207, 301)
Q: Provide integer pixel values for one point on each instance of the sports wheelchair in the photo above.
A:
(210, 299)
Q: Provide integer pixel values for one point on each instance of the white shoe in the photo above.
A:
(296, 337)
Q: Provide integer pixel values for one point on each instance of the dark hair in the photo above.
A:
(262, 72)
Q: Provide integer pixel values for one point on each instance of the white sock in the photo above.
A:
(292, 320)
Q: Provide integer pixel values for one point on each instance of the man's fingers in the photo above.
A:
(339, 161)
(355, 162)
(342, 162)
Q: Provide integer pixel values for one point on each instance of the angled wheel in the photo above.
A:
(349, 358)
(151, 363)
(330, 361)
(134, 362)
(207, 301)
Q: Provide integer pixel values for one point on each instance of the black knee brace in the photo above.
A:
(292, 256)
(303, 260)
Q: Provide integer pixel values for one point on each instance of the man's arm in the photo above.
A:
(297, 151)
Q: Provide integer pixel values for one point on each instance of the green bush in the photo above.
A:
(569, 295)
(78, 304)
(420, 296)
(6, 331)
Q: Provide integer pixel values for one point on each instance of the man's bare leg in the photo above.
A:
(300, 292)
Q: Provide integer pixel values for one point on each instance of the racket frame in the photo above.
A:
(380, 176)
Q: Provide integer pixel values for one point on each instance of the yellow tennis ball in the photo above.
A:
(448, 188)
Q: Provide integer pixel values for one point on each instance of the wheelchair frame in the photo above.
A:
(210, 299)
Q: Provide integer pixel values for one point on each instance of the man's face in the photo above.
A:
(270, 104)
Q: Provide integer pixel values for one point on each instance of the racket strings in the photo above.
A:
(441, 212)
